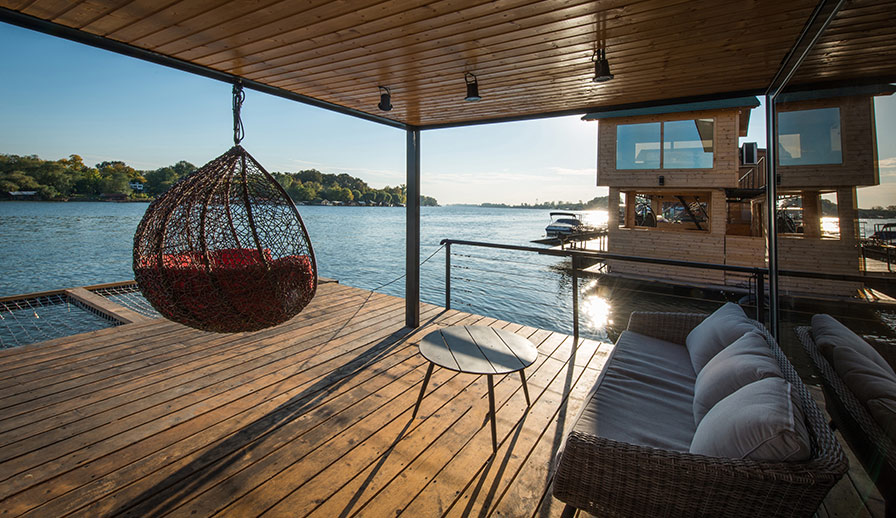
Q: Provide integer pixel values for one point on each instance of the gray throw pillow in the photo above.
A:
(716, 332)
(830, 334)
(747, 360)
(762, 421)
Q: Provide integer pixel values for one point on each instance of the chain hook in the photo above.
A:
(238, 97)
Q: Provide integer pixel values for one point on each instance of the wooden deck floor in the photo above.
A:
(312, 418)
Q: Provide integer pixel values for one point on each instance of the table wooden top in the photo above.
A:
(478, 350)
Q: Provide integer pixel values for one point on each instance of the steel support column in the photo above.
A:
(412, 224)
(825, 11)
(771, 201)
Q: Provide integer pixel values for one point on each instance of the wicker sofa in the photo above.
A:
(870, 431)
(631, 451)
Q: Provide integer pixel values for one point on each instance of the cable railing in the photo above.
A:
(754, 277)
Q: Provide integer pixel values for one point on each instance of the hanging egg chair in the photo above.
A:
(225, 249)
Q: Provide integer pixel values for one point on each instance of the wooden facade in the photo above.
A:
(733, 196)
(859, 148)
(724, 172)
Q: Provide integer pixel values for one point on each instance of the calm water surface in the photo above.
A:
(47, 246)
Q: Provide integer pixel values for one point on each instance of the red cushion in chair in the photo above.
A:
(236, 292)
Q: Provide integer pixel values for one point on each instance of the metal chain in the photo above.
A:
(238, 97)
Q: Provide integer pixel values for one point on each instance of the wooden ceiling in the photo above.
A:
(531, 58)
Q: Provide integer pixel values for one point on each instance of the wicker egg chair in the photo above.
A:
(225, 248)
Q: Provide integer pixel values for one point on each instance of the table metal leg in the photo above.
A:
(525, 388)
(491, 411)
(423, 389)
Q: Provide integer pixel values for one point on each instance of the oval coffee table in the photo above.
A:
(478, 350)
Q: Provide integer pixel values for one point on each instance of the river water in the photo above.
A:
(48, 246)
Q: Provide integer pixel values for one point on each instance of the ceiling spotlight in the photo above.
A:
(385, 99)
(601, 66)
(472, 87)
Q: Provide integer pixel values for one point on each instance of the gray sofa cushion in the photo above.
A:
(761, 421)
(830, 334)
(716, 332)
(747, 360)
(873, 387)
(644, 396)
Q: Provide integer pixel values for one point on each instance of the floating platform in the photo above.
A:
(577, 240)
(309, 418)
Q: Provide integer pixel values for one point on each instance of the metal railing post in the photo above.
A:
(760, 297)
(447, 275)
(575, 305)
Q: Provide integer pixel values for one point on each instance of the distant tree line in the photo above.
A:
(315, 187)
(65, 178)
(71, 179)
(599, 202)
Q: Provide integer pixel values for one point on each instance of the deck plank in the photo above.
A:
(520, 428)
(311, 418)
(326, 466)
(115, 435)
(190, 449)
(193, 385)
(153, 355)
(437, 431)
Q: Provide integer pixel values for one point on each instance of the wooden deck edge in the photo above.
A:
(105, 306)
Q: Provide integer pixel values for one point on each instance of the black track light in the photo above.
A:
(601, 66)
(385, 99)
(472, 87)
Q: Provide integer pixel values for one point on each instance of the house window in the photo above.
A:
(686, 144)
(809, 137)
(638, 146)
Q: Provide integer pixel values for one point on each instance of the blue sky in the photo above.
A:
(61, 98)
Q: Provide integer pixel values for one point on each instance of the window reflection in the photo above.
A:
(638, 146)
(809, 137)
(688, 144)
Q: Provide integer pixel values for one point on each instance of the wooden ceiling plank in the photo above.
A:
(20, 5)
(88, 11)
(530, 58)
(579, 16)
(317, 35)
(132, 14)
(370, 39)
(307, 67)
(521, 72)
(47, 9)
(275, 21)
(149, 27)
(551, 55)
(191, 17)
(484, 67)
(537, 91)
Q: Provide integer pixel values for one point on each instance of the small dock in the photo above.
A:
(596, 239)
(310, 418)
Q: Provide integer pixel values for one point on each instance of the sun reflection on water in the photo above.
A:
(595, 309)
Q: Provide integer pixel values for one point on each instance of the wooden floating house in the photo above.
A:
(686, 190)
